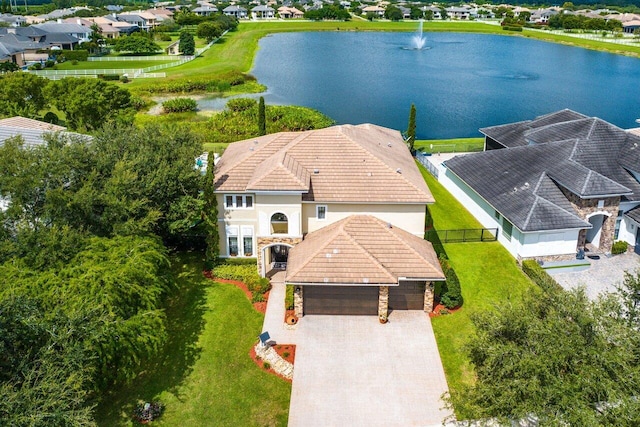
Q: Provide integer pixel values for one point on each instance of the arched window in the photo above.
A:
(279, 223)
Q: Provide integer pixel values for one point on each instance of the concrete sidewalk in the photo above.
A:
(353, 371)
(274, 317)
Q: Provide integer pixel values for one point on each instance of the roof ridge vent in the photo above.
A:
(389, 144)
(399, 170)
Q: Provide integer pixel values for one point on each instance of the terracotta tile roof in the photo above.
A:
(361, 250)
(25, 123)
(346, 163)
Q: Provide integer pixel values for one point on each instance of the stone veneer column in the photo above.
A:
(298, 301)
(383, 301)
(428, 297)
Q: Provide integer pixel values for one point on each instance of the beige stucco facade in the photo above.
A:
(409, 217)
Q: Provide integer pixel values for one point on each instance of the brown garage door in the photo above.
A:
(340, 299)
(408, 296)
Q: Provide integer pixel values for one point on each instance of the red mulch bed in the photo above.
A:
(260, 363)
(259, 306)
(441, 310)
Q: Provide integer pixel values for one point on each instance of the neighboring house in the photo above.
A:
(13, 20)
(631, 26)
(263, 12)
(113, 8)
(434, 10)
(518, 10)
(341, 209)
(22, 45)
(462, 13)
(143, 20)
(65, 35)
(237, 11)
(173, 48)
(110, 27)
(542, 16)
(553, 186)
(290, 13)
(376, 10)
(205, 10)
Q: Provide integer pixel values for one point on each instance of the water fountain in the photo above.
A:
(418, 39)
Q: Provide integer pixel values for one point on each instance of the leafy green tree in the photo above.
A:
(89, 103)
(209, 31)
(557, 356)
(428, 15)
(8, 67)
(187, 44)
(393, 13)
(262, 122)
(210, 216)
(411, 128)
(21, 94)
(135, 43)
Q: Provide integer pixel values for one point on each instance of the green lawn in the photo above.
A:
(449, 145)
(489, 277)
(205, 376)
(109, 65)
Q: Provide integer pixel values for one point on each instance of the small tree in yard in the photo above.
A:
(411, 130)
(210, 216)
(262, 123)
(187, 44)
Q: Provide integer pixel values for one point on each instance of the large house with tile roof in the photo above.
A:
(553, 185)
(341, 210)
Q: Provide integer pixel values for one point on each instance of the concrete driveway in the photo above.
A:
(353, 371)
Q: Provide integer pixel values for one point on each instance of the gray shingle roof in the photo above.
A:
(634, 214)
(564, 150)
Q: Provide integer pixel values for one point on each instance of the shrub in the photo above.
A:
(285, 354)
(124, 79)
(164, 37)
(49, 63)
(451, 294)
(109, 77)
(74, 62)
(257, 298)
(257, 284)
(540, 277)
(619, 247)
(240, 104)
(77, 55)
(288, 298)
(266, 365)
(36, 66)
(51, 117)
(179, 105)
(512, 28)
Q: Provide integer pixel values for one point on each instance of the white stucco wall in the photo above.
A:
(521, 244)
(628, 227)
(409, 217)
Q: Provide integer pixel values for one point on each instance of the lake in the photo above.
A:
(459, 83)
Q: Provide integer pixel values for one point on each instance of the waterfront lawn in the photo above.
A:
(204, 375)
(489, 277)
(109, 65)
(449, 145)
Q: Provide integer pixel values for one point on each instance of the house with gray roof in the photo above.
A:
(238, 12)
(12, 20)
(553, 185)
(263, 12)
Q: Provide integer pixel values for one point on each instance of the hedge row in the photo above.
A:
(71, 55)
(246, 274)
(204, 84)
(539, 276)
(450, 292)
(179, 105)
(512, 28)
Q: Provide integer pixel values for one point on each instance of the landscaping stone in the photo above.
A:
(278, 364)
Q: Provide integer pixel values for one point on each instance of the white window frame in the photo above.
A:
(247, 232)
(318, 207)
(234, 199)
(233, 231)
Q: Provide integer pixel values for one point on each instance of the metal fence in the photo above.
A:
(463, 235)
(424, 161)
